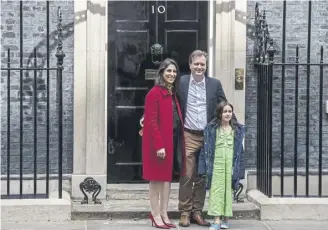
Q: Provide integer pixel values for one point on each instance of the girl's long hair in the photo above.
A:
(219, 112)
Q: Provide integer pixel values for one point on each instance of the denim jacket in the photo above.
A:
(206, 154)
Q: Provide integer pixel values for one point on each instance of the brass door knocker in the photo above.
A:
(156, 52)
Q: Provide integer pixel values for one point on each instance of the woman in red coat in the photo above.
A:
(162, 141)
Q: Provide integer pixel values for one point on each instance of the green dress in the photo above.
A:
(220, 200)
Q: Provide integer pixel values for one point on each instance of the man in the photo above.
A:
(199, 96)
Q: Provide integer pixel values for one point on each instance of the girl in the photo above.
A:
(219, 160)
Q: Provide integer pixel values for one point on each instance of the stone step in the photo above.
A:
(130, 201)
(136, 195)
(139, 209)
(143, 195)
(140, 192)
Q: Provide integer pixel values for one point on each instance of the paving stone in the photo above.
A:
(145, 225)
(299, 225)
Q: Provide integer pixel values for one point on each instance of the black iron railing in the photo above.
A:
(267, 69)
(34, 68)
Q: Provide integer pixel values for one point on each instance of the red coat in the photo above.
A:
(158, 134)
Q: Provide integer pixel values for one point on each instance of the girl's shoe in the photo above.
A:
(215, 226)
(156, 225)
(224, 225)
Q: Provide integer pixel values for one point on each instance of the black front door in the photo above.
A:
(133, 28)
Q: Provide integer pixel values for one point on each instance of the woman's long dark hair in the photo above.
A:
(162, 68)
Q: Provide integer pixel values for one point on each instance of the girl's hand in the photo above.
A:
(161, 153)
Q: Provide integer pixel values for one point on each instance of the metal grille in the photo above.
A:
(268, 69)
(33, 68)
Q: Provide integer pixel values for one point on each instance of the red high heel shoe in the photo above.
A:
(156, 225)
(170, 225)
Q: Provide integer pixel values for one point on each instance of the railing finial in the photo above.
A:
(271, 50)
(262, 52)
(60, 53)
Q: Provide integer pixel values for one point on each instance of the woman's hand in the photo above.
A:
(161, 153)
(142, 121)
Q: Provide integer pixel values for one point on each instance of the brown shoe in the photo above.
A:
(184, 220)
(198, 219)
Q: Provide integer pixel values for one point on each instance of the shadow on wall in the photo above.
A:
(241, 17)
(68, 31)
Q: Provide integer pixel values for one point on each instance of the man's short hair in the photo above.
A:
(197, 53)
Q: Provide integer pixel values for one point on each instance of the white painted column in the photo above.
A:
(240, 57)
(225, 40)
(80, 84)
(230, 51)
(96, 88)
(90, 103)
(211, 37)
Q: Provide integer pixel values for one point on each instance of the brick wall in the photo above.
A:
(34, 36)
(296, 34)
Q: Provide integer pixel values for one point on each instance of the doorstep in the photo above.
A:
(139, 209)
(130, 201)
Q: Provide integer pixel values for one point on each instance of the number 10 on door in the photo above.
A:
(160, 9)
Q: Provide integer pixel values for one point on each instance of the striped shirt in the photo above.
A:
(196, 114)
